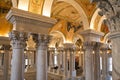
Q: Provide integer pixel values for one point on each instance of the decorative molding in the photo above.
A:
(29, 22)
(91, 35)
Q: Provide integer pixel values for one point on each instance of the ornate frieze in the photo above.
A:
(18, 39)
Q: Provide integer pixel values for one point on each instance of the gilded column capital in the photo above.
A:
(18, 39)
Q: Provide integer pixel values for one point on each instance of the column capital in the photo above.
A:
(52, 49)
(113, 23)
(104, 47)
(5, 47)
(60, 49)
(18, 39)
(89, 45)
(111, 9)
(106, 7)
(69, 46)
(41, 38)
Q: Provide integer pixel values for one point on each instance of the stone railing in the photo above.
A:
(51, 76)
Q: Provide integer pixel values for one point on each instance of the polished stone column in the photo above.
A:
(111, 10)
(69, 51)
(18, 42)
(97, 71)
(58, 61)
(42, 46)
(91, 37)
(51, 62)
(60, 50)
(88, 46)
(6, 61)
(104, 50)
(65, 63)
(73, 62)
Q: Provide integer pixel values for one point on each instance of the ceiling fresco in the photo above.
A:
(60, 11)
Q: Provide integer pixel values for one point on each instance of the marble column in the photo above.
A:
(51, 62)
(69, 51)
(6, 61)
(91, 37)
(73, 62)
(65, 63)
(88, 46)
(60, 50)
(58, 63)
(111, 10)
(42, 47)
(18, 42)
(97, 71)
(104, 50)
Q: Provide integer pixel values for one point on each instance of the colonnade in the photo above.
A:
(66, 67)
(65, 58)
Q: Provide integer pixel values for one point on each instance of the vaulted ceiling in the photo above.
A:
(60, 10)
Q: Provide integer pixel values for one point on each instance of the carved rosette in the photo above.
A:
(18, 39)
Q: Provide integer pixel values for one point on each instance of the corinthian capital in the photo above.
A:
(89, 45)
(113, 23)
(106, 8)
(41, 38)
(18, 39)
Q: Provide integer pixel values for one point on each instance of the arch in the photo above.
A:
(106, 38)
(100, 22)
(78, 36)
(93, 19)
(53, 33)
(47, 10)
(21, 4)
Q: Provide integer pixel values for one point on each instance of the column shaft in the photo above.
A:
(41, 43)
(88, 60)
(18, 41)
(97, 72)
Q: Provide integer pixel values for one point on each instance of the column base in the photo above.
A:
(74, 73)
